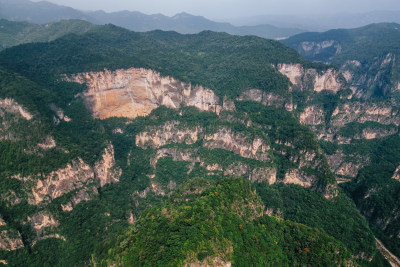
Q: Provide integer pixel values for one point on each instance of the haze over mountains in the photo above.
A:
(123, 148)
(45, 12)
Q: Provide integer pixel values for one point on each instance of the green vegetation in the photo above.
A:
(223, 222)
(338, 217)
(376, 194)
(368, 53)
(14, 33)
(227, 64)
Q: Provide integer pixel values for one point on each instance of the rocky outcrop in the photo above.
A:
(136, 92)
(84, 194)
(105, 170)
(396, 174)
(381, 112)
(310, 79)
(296, 176)
(48, 143)
(265, 98)
(313, 49)
(44, 226)
(10, 240)
(10, 198)
(10, 106)
(77, 177)
(347, 165)
(176, 154)
(238, 143)
(312, 115)
(59, 114)
(170, 132)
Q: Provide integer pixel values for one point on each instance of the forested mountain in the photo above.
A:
(368, 56)
(162, 148)
(45, 12)
(15, 33)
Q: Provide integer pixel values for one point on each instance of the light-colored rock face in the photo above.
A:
(48, 143)
(315, 48)
(10, 106)
(396, 174)
(300, 78)
(347, 166)
(327, 81)
(104, 170)
(237, 169)
(136, 92)
(44, 226)
(10, 198)
(370, 133)
(10, 240)
(312, 115)
(363, 112)
(59, 114)
(170, 132)
(296, 176)
(238, 143)
(76, 175)
(268, 99)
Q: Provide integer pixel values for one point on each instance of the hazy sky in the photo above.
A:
(233, 8)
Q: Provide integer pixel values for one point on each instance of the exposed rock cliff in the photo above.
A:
(105, 170)
(238, 143)
(268, 99)
(170, 132)
(382, 112)
(10, 240)
(136, 92)
(311, 79)
(76, 176)
(10, 106)
(44, 226)
(396, 174)
(347, 165)
(312, 115)
(296, 176)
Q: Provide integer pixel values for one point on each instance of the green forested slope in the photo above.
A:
(31, 74)
(14, 33)
(370, 54)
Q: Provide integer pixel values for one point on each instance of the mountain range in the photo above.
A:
(45, 12)
(123, 148)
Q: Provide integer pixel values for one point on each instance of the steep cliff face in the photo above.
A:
(347, 165)
(105, 170)
(44, 226)
(396, 174)
(10, 106)
(310, 79)
(312, 115)
(325, 50)
(266, 98)
(170, 132)
(10, 239)
(383, 113)
(296, 176)
(11, 115)
(238, 143)
(373, 78)
(76, 176)
(136, 92)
